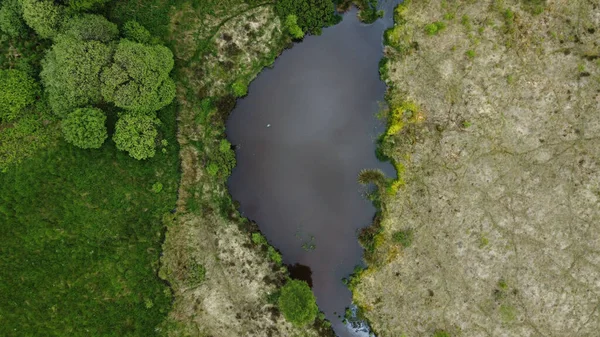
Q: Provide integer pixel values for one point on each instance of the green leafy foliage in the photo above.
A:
(11, 22)
(240, 89)
(441, 333)
(312, 15)
(85, 128)
(136, 134)
(259, 239)
(157, 187)
(196, 274)
(70, 73)
(17, 90)
(291, 23)
(86, 5)
(133, 31)
(434, 28)
(404, 237)
(138, 79)
(43, 16)
(90, 27)
(297, 303)
(274, 255)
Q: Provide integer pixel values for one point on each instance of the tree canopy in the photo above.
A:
(71, 73)
(312, 15)
(136, 134)
(90, 27)
(138, 79)
(11, 22)
(85, 128)
(297, 303)
(17, 90)
(43, 16)
(134, 31)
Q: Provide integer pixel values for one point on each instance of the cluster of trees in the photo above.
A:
(91, 66)
(306, 16)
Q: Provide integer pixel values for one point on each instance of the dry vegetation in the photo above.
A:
(499, 175)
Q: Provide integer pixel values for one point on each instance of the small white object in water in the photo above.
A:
(268, 125)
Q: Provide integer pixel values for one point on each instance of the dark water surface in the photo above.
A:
(302, 135)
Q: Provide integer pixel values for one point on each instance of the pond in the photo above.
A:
(302, 135)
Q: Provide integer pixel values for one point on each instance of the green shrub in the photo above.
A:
(291, 23)
(136, 134)
(212, 169)
(259, 239)
(297, 303)
(470, 53)
(17, 91)
(441, 333)
(274, 255)
(157, 187)
(85, 128)
(134, 31)
(240, 89)
(196, 274)
(404, 237)
(434, 28)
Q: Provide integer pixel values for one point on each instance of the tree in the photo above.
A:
(17, 90)
(136, 134)
(85, 128)
(134, 31)
(85, 5)
(43, 16)
(291, 23)
(11, 22)
(312, 15)
(90, 27)
(71, 73)
(138, 79)
(297, 303)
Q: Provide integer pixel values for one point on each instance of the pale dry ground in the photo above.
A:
(233, 298)
(502, 178)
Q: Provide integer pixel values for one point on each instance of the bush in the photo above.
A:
(85, 128)
(17, 90)
(259, 239)
(441, 333)
(297, 303)
(291, 23)
(138, 79)
(43, 16)
(434, 28)
(274, 255)
(136, 134)
(240, 89)
(404, 237)
(132, 30)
